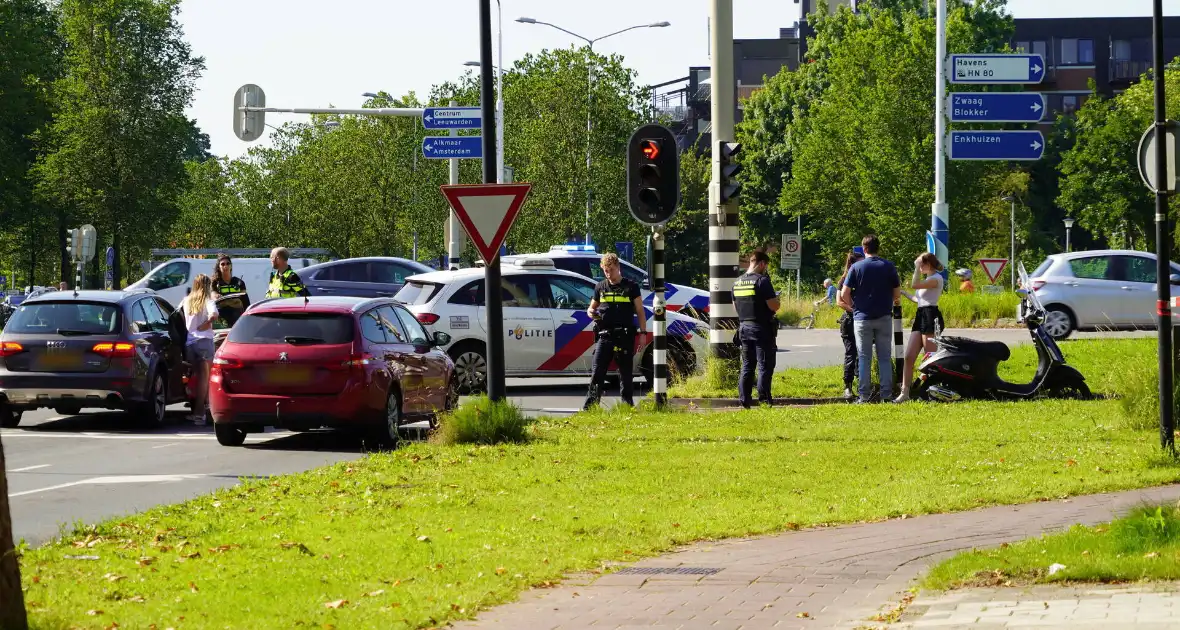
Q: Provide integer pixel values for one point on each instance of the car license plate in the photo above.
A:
(288, 375)
(58, 360)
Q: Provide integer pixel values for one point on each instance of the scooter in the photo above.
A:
(962, 368)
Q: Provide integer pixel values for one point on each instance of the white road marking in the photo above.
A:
(97, 481)
(166, 445)
(806, 345)
(559, 409)
(28, 468)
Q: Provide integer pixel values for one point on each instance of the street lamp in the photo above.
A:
(1012, 244)
(1068, 226)
(590, 94)
(499, 112)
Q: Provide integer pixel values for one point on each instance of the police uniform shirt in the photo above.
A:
(617, 302)
(750, 293)
(285, 284)
(235, 285)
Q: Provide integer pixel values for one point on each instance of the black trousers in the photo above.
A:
(759, 347)
(617, 345)
(848, 335)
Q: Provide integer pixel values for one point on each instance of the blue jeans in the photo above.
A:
(874, 333)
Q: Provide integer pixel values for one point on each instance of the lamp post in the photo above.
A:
(499, 113)
(1012, 243)
(590, 94)
(1068, 226)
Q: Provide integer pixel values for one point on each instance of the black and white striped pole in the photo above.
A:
(898, 348)
(724, 188)
(659, 351)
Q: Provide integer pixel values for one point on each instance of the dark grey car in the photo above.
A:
(371, 277)
(91, 349)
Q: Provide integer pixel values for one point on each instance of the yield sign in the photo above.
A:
(993, 267)
(486, 212)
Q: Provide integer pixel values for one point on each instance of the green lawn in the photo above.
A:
(1145, 545)
(432, 533)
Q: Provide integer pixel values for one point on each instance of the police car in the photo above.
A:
(584, 260)
(547, 329)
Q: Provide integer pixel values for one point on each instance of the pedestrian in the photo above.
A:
(847, 332)
(200, 311)
(63, 286)
(829, 292)
(872, 286)
(966, 286)
(284, 282)
(616, 307)
(928, 323)
(756, 304)
(225, 282)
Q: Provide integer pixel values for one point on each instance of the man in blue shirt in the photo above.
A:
(872, 288)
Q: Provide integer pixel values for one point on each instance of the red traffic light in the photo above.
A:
(650, 149)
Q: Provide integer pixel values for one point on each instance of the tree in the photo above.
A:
(12, 598)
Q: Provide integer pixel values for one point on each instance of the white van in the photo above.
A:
(173, 279)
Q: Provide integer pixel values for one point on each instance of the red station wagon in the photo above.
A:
(303, 363)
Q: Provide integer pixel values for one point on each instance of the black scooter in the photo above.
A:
(967, 369)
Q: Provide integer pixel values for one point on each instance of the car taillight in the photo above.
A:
(118, 350)
(9, 348)
(358, 361)
(225, 363)
(1037, 284)
(426, 319)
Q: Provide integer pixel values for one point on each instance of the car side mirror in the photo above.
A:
(646, 284)
(1174, 279)
(1022, 292)
(441, 339)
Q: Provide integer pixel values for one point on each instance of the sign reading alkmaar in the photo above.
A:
(452, 147)
(997, 69)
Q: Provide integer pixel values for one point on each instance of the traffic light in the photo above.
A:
(74, 244)
(730, 187)
(653, 174)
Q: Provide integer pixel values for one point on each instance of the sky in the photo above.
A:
(311, 54)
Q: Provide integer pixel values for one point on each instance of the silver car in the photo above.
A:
(1114, 288)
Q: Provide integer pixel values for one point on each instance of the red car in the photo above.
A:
(303, 363)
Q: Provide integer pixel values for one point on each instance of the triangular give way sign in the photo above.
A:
(993, 267)
(486, 212)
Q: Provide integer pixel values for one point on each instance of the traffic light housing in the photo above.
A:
(653, 175)
(730, 187)
(74, 244)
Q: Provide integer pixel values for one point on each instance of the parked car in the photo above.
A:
(301, 363)
(91, 349)
(360, 277)
(173, 279)
(549, 332)
(1097, 289)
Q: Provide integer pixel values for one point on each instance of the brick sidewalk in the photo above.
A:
(819, 578)
(1102, 607)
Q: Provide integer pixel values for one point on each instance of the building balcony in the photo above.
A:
(1127, 71)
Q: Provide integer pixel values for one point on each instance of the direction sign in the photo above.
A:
(993, 267)
(997, 69)
(1147, 162)
(625, 250)
(995, 106)
(791, 252)
(996, 145)
(437, 148)
(486, 211)
(110, 256)
(452, 118)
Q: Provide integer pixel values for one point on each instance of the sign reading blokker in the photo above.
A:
(486, 212)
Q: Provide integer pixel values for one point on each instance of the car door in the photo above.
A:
(432, 362)
(573, 336)
(379, 347)
(168, 352)
(149, 343)
(349, 279)
(390, 276)
(1093, 292)
(528, 326)
(1137, 281)
(405, 364)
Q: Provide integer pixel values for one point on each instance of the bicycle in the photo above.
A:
(810, 319)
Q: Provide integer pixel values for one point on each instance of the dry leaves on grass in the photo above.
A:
(297, 545)
(336, 604)
(112, 577)
(376, 593)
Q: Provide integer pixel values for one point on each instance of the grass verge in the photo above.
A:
(1144, 545)
(481, 421)
(961, 310)
(431, 533)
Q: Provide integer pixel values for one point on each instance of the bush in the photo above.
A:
(480, 421)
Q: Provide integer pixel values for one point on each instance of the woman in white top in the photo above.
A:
(928, 323)
(200, 311)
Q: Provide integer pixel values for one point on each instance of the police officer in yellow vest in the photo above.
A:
(284, 282)
(756, 303)
(616, 308)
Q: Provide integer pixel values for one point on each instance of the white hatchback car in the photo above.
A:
(548, 331)
(1113, 288)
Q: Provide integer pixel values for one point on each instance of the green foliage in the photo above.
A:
(481, 421)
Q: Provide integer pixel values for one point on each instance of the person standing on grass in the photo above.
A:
(847, 334)
(829, 292)
(872, 286)
(200, 311)
(756, 303)
(927, 284)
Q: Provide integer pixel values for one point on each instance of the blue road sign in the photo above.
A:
(625, 250)
(995, 106)
(996, 145)
(438, 148)
(994, 69)
(452, 118)
(110, 256)
(859, 249)
(3, 280)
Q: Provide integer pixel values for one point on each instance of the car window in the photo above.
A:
(155, 317)
(164, 306)
(371, 327)
(139, 318)
(417, 293)
(170, 275)
(470, 295)
(1042, 269)
(569, 293)
(1091, 268)
(344, 272)
(393, 327)
(389, 273)
(524, 292)
(1138, 269)
(49, 317)
(277, 328)
(582, 266)
(632, 274)
(415, 330)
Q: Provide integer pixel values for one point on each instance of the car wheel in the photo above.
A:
(391, 427)
(150, 412)
(229, 435)
(68, 410)
(471, 367)
(1059, 322)
(9, 417)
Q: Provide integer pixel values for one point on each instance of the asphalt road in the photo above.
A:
(93, 466)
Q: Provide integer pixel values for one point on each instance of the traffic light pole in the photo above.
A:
(1163, 245)
(492, 294)
(723, 215)
(659, 343)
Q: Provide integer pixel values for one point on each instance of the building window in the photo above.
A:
(1120, 50)
(1086, 52)
(1069, 52)
(1069, 104)
(1040, 48)
(1022, 47)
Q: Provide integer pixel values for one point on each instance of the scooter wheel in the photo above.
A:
(1071, 391)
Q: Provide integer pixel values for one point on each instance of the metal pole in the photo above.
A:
(454, 230)
(799, 269)
(659, 352)
(1012, 246)
(940, 211)
(589, 130)
(500, 94)
(1163, 246)
(1067, 244)
(723, 218)
(898, 352)
(415, 245)
(78, 277)
(495, 310)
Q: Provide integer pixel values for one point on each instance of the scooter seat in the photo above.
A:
(997, 350)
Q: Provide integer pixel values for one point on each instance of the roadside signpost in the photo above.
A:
(443, 147)
(993, 267)
(1148, 152)
(997, 69)
(996, 106)
(1022, 145)
(791, 252)
(452, 118)
(486, 212)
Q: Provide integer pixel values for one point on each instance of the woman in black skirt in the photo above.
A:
(928, 323)
(846, 329)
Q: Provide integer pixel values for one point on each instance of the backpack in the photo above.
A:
(177, 328)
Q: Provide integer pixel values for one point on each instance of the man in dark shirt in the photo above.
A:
(756, 303)
(616, 307)
(872, 287)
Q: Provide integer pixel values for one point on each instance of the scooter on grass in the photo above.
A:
(966, 369)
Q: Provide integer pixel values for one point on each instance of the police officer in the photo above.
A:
(284, 282)
(615, 308)
(756, 303)
(224, 281)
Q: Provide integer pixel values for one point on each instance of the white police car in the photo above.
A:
(584, 260)
(547, 329)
